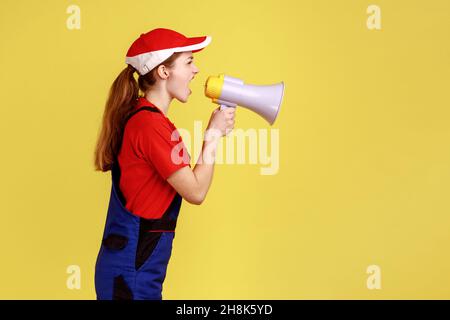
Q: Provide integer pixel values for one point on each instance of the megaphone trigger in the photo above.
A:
(224, 106)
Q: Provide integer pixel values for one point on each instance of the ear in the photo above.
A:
(162, 71)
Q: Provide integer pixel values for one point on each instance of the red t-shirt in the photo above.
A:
(152, 149)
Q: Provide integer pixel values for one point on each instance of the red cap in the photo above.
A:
(157, 45)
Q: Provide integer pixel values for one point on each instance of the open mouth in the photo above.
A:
(189, 84)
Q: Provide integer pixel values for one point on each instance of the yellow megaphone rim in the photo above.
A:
(213, 87)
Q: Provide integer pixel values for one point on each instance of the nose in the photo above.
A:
(196, 70)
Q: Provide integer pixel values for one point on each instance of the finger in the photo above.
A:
(231, 115)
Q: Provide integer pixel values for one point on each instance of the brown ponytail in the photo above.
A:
(120, 104)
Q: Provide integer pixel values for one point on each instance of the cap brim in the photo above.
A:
(195, 44)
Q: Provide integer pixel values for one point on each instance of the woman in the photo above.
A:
(149, 164)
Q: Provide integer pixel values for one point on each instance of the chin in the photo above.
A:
(183, 100)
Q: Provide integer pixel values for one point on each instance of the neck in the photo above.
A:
(159, 98)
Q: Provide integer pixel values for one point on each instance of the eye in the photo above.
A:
(189, 62)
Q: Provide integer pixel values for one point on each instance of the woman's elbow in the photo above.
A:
(186, 184)
(195, 198)
(197, 201)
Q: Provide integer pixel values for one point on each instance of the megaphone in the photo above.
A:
(230, 92)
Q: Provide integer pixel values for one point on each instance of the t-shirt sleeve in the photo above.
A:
(163, 147)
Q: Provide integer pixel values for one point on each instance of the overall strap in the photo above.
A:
(148, 108)
(115, 170)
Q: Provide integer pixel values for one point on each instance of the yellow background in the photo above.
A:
(364, 175)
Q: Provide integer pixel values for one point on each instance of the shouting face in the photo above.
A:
(181, 75)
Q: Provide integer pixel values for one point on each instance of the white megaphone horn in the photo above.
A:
(231, 92)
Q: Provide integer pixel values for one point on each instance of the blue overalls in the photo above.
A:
(135, 251)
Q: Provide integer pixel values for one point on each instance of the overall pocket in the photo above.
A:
(115, 241)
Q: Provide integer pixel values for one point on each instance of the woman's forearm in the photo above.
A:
(204, 169)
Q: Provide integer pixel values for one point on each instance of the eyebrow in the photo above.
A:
(191, 57)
